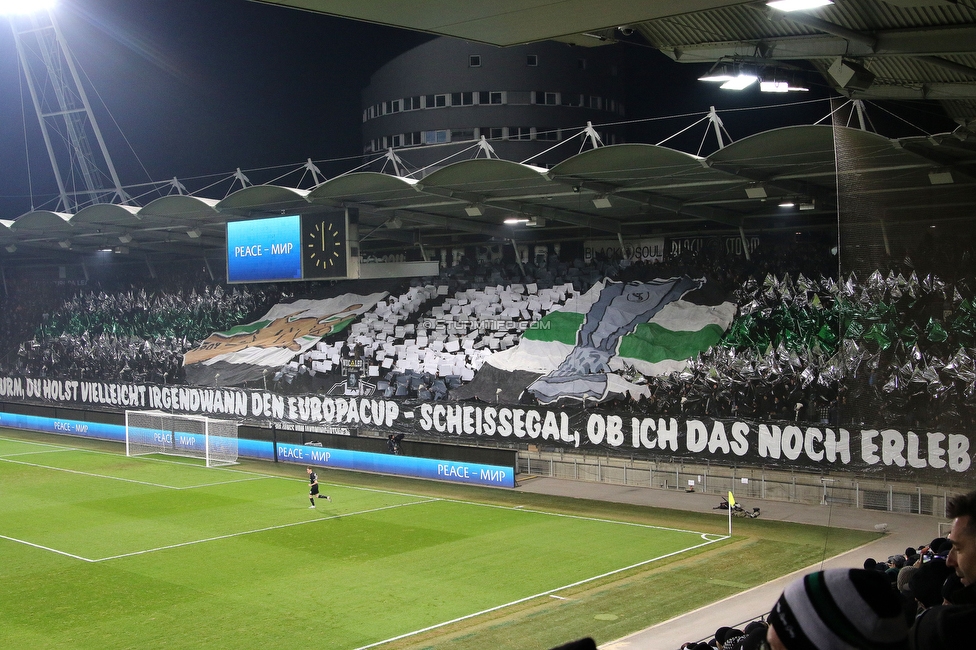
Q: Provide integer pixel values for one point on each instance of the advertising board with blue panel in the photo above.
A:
(444, 470)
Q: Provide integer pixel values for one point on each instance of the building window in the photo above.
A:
(436, 101)
(572, 100)
(396, 140)
(395, 106)
(519, 133)
(462, 99)
(492, 133)
(532, 60)
(411, 139)
(547, 134)
(462, 134)
(412, 103)
(474, 61)
(549, 99)
(493, 97)
(596, 102)
(435, 137)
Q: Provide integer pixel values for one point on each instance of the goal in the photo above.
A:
(157, 432)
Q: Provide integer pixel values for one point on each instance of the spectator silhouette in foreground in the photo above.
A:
(838, 609)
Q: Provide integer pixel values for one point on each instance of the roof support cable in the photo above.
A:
(689, 127)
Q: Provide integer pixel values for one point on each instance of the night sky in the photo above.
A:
(201, 87)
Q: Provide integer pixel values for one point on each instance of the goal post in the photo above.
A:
(193, 436)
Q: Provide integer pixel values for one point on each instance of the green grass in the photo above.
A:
(103, 551)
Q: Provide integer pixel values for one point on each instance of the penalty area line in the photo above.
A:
(258, 530)
(550, 592)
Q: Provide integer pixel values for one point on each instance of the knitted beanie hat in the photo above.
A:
(840, 609)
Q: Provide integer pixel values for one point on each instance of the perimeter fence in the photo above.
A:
(857, 491)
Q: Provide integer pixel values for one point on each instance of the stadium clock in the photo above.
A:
(324, 246)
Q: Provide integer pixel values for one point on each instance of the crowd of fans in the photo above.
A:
(134, 334)
(896, 346)
(924, 599)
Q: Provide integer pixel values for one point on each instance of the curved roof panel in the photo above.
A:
(371, 188)
(180, 206)
(264, 198)
(109, 214)
(482, 179)
(43, 220)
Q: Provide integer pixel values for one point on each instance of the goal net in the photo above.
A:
(156, 432)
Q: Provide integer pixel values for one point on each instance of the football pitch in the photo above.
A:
(103, 551)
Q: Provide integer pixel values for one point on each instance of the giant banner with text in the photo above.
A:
(930, 455)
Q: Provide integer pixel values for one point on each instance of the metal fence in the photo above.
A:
(873, 493)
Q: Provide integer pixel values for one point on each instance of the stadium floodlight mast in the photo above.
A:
(84, 174)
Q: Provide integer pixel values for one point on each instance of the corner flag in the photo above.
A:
(731, 505)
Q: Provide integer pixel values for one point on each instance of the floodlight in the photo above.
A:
(602, 202)
(514, 221)
(473, 211)
(756, 192)
(741, 82)
(11, 248)
(774, 86)
(940, 178)
(194, 234)
(719, 72)
(798, 5)
(24, 7)
(65, 243)
(787, 204)
(125, 238)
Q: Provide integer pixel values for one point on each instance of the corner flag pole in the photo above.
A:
(731, 505)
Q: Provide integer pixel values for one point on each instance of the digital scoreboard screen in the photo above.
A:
(287, 248)
(264, 250)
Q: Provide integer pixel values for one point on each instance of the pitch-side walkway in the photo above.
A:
(903, 531)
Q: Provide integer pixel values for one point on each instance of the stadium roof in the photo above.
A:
(630, 190)
(913, 49)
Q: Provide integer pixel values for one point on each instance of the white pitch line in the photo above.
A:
(260, 530)
(76, 471)
(528, 598)
(569, 516)
(127, 480)
(46, 451)
(46, 548)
